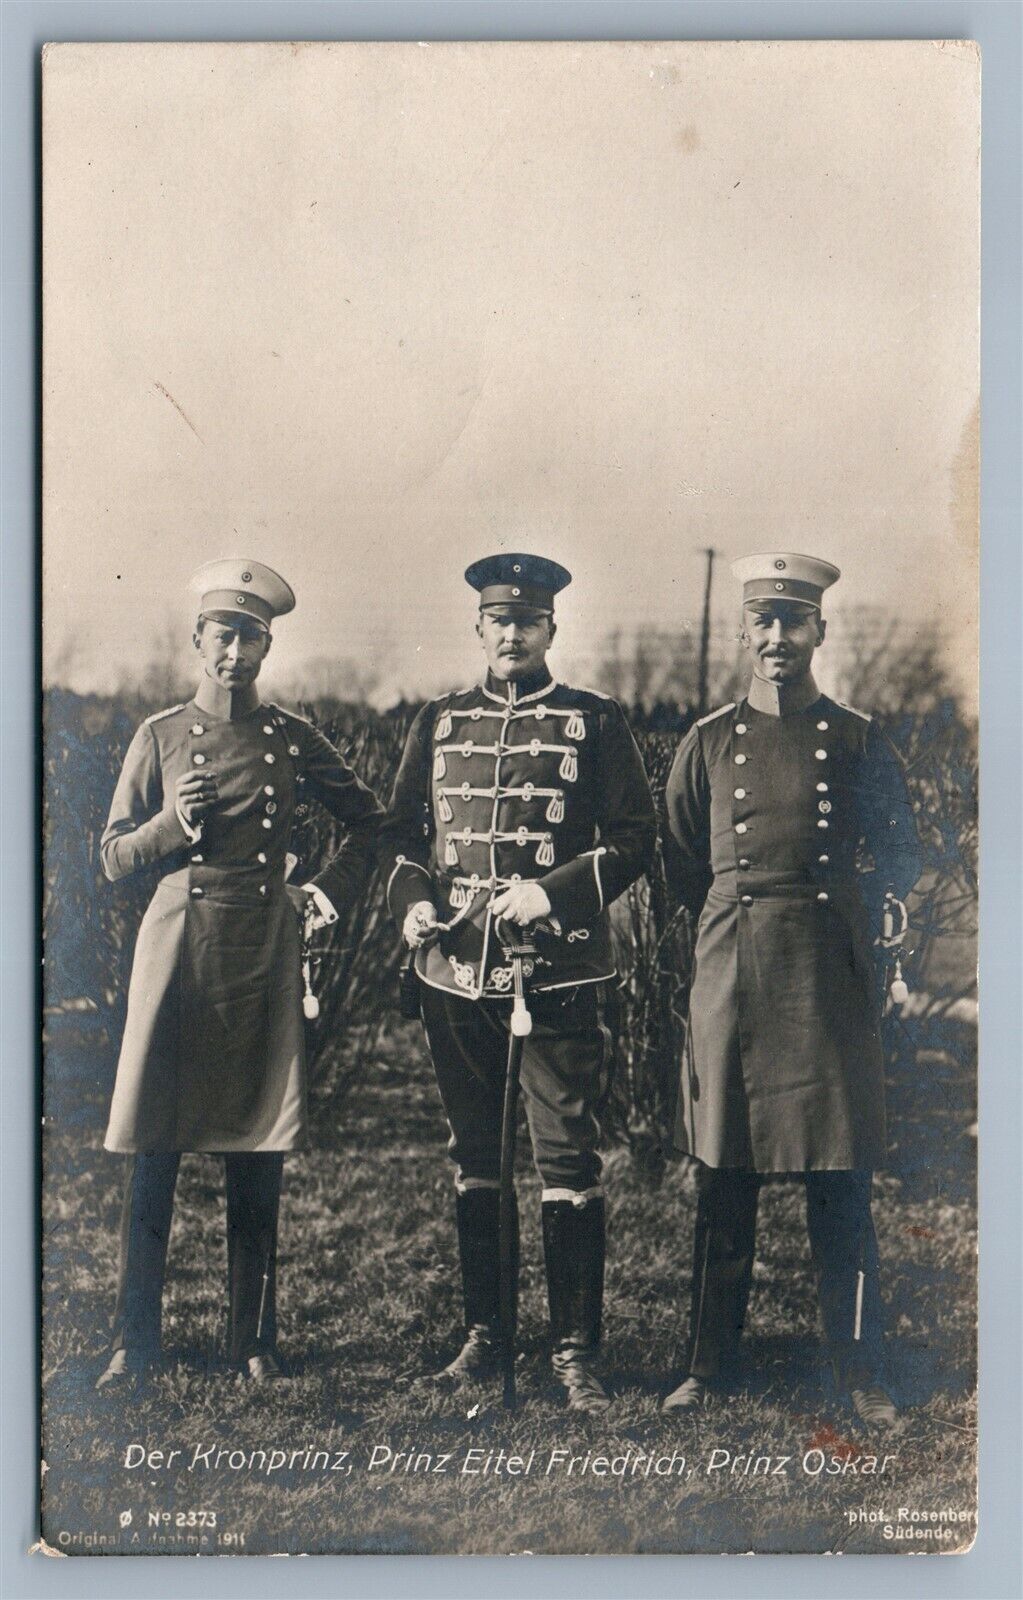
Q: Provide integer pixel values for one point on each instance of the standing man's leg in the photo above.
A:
(724, 1243)
(468, 1046)
(844, 1245)
(564, 1071)
(253, 1181)
(146, 1212)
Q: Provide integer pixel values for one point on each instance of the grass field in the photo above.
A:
(369, 1301)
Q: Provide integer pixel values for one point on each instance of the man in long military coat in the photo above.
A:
(771, 803)
(212, 1057)
(524, 799)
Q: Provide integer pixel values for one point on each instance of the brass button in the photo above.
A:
(821, 823)
(198, 728)
(196, 893)
(293, 749)
(267, 727)
(740, 727)
(267, 823)
(743, 862)
(262, 888)
(824, 805)
(268, 788)
(740, 760)
(747, 899)
(823, 727)
(740, 827)
(823, 860)
(740, 794)
(822, 755)
(262, 857)
(269, 759)
(196, 858)
(198, 760)
(822, 788)
(823, 895)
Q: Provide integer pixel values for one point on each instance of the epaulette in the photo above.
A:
(712, 716)
(283, 711)
(864, 715)
(158, 716)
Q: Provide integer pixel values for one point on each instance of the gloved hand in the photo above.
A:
(419, 925)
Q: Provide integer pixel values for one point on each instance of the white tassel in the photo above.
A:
(575, 728)
(310, 1004)
(440, 766)
(450, 852)
(556, 809)
(545, 854)
(444, 809)
(444, 726)
(569, 768)
(899, 987)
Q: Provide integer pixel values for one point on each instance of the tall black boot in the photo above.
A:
(477, 1215)
(573, 1247)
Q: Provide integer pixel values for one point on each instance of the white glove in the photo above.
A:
(522, 903)
(419, 922)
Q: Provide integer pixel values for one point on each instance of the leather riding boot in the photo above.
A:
(573, 1247)
(477, 1212)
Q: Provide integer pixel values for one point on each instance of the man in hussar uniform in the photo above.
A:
(523, 799)
(213, 1056)
(771, 803)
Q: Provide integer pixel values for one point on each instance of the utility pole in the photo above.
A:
(701, 691)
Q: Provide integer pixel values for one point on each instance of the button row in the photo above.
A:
(747, 899)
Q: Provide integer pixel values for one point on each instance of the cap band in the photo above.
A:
(242, 605)
(782, 589)
(516, 594)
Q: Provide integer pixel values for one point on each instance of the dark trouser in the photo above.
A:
(253, 1203)
(842, 1243)
(565, 1062)
(565, 1065)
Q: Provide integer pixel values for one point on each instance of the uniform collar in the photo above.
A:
(782, 700)
(528, 688)
(228, 704)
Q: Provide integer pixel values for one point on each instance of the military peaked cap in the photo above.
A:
(243, 587)
(783, 575)
(517, 580)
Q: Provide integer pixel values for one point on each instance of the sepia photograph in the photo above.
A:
(510, 573)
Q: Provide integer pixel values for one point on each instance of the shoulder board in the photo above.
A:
(158, 716)
(595, 694)
(283, 711)
(712, 716)
(863, 715)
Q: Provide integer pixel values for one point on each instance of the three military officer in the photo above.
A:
(770, 802)
(213, 1057)
(523, 799)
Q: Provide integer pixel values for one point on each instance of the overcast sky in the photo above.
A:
(369, 312)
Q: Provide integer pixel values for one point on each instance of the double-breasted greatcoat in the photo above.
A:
(213, 1054)
(771, 815)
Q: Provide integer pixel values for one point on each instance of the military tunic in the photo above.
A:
(783, 1069)
(213, 1055)
(505, 782)
(501, 783)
